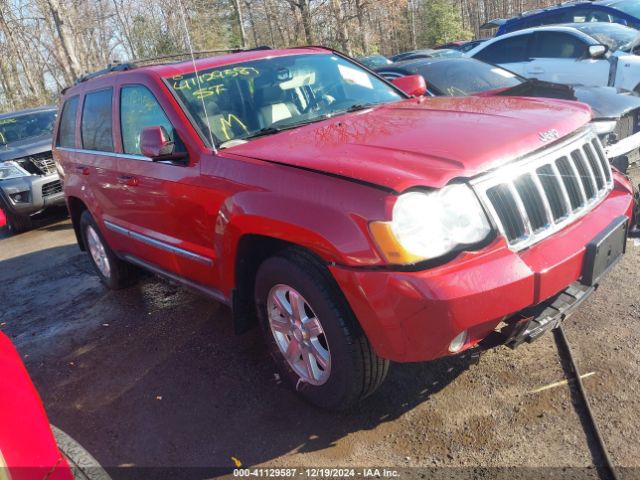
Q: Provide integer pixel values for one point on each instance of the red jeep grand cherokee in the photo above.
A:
(357, 224)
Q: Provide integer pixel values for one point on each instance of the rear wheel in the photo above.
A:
(113, 272)
(317, 343)
(16, 223)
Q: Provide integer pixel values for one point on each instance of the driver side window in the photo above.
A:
(557, 45)
(140, 109)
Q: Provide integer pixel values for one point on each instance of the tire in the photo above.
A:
(16, 223)
(82, 464)
(352, 370)
(113, 272)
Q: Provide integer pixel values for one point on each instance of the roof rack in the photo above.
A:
(121, 67)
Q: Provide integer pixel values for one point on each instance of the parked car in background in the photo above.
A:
(339, 212)
(616, 112)
(29, 181)
(462, 46)
(426, 53)
(577, 53)
(624, 12)
(374, 61)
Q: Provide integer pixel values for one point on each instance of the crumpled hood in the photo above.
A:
(421, 142)
(24, 148)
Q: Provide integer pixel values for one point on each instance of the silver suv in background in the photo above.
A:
(29, 181)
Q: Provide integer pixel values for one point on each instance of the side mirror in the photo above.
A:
(412, 85)
(598, 51)
(155, 143)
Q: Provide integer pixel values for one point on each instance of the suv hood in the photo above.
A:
(420, 142)
(24, 148)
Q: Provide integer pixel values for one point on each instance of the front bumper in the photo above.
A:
(414, 316)
(38, 193)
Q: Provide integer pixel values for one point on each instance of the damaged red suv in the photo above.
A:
(356, 224)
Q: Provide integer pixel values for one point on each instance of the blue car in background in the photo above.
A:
(625, 12)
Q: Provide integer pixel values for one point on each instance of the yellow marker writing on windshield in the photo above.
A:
(227, 124)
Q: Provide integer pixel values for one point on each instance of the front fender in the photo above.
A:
(335, 231)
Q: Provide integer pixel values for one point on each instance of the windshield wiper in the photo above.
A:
(356, 107)
(263, 132)
(271, 130)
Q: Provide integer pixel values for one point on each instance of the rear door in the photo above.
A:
(511, 53)
(96, 161)
(561, 57)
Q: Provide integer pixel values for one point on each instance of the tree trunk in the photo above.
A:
(305, 13)
(66, 38)
(343, 32)
(238, 9)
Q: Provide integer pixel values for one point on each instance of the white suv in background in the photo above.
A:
(594, 54)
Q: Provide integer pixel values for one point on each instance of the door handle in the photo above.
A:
(83, 170)
(128, 180)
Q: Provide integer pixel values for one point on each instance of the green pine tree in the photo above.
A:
(441, 23)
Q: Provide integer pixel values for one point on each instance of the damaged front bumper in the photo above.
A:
(602, 254)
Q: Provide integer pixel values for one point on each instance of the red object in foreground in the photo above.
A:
(27, 446)
(3, 219)
(358, 224)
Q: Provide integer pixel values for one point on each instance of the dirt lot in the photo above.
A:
(154, 376)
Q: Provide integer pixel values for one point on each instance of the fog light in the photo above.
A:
(21, 197)
(459, 342)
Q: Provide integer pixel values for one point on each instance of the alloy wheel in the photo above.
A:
(299, 334)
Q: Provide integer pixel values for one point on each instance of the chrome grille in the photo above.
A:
(44, 162)
(51, 188)
(535, 197)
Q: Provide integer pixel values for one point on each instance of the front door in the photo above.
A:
(162, 207)
(564, 58)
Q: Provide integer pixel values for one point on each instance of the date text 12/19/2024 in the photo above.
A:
(317, 472)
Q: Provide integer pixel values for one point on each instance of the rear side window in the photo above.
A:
(96, 121)
(67, 128)
(140, 109)
(557, 45)
(509, 50)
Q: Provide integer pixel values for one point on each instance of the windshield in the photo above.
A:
(631, 7)
(464, 77)
(22, 127)
(259, 97)
(613, 35)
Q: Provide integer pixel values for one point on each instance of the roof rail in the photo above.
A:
(115, 67)
(121, 67)
(200, 53)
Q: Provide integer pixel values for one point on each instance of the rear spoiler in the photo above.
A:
(493, 23)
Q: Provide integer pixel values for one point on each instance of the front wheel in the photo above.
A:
(312, 334)
(113, 272)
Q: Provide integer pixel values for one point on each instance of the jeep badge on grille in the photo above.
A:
(548, 135)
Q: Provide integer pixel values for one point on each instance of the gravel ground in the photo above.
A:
(153, 376)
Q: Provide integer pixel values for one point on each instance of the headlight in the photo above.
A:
(603, 127)
(427, 225)
(12, 170)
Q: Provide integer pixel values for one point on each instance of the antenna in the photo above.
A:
(195, 69)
